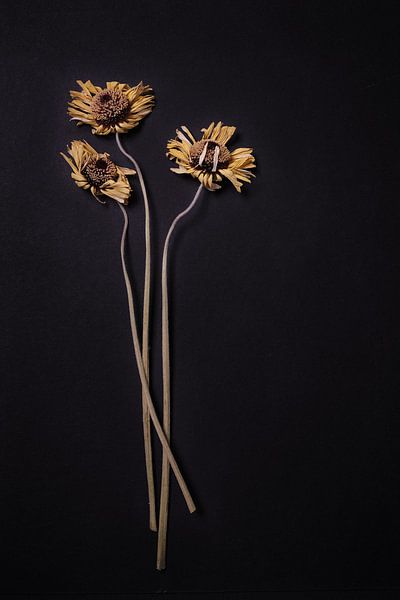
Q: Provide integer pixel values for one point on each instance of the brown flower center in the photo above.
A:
(109, 107)
(209, 155)
(99, 169)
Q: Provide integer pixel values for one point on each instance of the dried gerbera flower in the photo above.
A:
(209, 159)
(97, 172)
(115, 108)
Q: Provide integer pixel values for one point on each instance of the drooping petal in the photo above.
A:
(229, 175)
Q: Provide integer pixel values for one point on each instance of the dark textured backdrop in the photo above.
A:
(284, 301)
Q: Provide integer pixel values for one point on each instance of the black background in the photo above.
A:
(284, 302)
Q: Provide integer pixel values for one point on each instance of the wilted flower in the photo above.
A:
(208, 159)
(97, 172)
(117, 107)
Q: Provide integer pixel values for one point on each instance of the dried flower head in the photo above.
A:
(209, 159)
(117, 107)
(97, 172)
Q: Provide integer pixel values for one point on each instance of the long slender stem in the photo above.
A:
(163, 516)
(142, 374)
(148, 453)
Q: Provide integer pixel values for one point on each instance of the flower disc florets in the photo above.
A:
(100, 169)
(209, 155)
(109, 107)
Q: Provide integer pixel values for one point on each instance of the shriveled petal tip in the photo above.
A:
(188, 133)
(179, 170)
(207, 130)
(127, 171)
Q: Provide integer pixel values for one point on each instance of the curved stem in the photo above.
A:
(142, 374)
(163, 516)
(145, 344)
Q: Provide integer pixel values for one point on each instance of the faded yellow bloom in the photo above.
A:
(98, 173)
(117, 107)
(209, 159)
